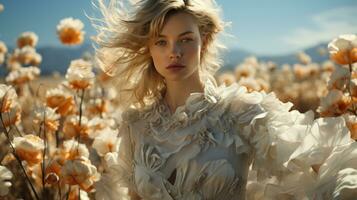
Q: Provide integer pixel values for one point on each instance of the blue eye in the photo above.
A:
(160, 43)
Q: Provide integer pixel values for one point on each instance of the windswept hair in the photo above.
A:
(123, 36)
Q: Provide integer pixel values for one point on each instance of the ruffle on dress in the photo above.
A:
(288, 143)
(284, 145)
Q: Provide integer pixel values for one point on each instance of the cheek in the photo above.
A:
(193, 53)
(157, 56)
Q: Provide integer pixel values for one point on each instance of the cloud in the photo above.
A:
(327, 25)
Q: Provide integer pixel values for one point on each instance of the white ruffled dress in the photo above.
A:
(226, 143)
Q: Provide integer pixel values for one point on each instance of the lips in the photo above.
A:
(175, 66)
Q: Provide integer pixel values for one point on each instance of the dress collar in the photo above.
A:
(196, 105)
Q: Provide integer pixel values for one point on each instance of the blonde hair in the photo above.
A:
(123, 35)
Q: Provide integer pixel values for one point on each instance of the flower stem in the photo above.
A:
(18, 159)
(44, 154)
(349, 88)
(80, 115)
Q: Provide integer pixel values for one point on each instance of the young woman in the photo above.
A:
(185, 138)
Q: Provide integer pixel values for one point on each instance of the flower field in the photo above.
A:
(59, 137)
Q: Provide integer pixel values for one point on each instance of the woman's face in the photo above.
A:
(176, 51)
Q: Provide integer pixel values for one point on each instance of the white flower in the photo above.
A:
(252, 61)
(79, 74)
(71, 127)
(80, 172)
(49, 117)
(3, 48)
(334, 104)
(328, 66)
(71, 150)
(70, 23)
(351, 122)
(29, 148)
(343, 49)
(22, 75)
(27, 56)
(27, 39)
(106, 142)
(61, 100)
(1, 8)
(5, 176)
(226, 78)
(303, 58)
(343, 42)
(244, 71)
(8, 98)
(301, 71)
(70, 31)
(339, 78)
(97, 124)
(2, 58)
(250, 83)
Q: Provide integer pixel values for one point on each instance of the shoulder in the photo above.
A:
(237, 99)
(248, 106)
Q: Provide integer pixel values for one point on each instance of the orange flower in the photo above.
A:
(49, 117)
(250, 83)
(13, 117)
(70, 31)
(79, 74)
(2, 58)
(3, 48)
(244, 71)
(71, 150)
(12, 62)
(301, 71)
(303, 58)
(9, 106)
(22, 75)
(80, 172)
(8, 98)
(72, 128)
(226, 79)
(27, 39)
(334, 104)
(339, 78)
(328, 66)
(27, 56)
(343, 49)
(29, 148)
(351, 122)
(97, 124)
(73, 194)
(60, 100)
(106, 142)
(97, 106)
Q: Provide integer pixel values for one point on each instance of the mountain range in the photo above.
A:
(57, 59)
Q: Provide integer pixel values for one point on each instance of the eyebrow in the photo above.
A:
(181, 34)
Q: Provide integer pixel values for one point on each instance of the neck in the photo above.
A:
(178, 91)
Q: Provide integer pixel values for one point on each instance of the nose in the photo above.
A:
(176, 52)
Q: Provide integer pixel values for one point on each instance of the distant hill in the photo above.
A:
(236, 56)
(59, 58)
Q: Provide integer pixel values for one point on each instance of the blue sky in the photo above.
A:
(260, 26)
